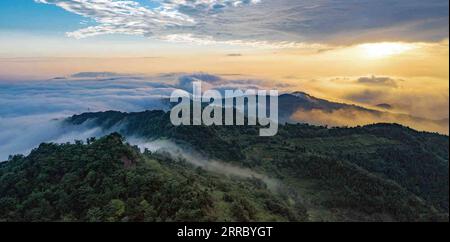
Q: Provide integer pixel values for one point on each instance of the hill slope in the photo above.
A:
(375, 172)
(107, 180)
(381, 172)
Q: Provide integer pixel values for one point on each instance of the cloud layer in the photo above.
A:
(378, 81)
(265, 21)
(31, 112)
(353, 117)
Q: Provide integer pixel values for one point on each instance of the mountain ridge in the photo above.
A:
(300, 106)
(378, 172)
(391, 151)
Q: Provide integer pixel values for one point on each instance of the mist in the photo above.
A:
(19, 135)
(198, 160)
(32, 112)
(354, 117)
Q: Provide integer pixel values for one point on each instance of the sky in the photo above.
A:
(364, 52)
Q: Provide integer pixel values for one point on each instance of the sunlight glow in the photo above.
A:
(386, 49)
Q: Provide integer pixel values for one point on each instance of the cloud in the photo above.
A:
(196, 7)
(285, 23)
(96, 75)
(120, 17)
(71, 96)
(234, 55)
(366, 96)
(193, 157)
(220, 83)
(354, 117)
(211, 40)
(418, 96)
(23, 133)
(31, 112)
(378, 81)
(134, 18)
(385, 106)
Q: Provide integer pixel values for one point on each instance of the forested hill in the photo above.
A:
(381, 172)
(416, 162)
(107, 180)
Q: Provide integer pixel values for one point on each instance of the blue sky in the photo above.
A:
(27, 15)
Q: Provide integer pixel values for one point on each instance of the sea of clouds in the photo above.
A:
(32, 112)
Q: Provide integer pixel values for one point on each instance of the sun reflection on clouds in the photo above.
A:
(385, 49)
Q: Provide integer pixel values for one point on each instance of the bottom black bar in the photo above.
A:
(227, 231)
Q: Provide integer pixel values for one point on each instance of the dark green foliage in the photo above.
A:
(375, 172)
(378, 172)
(107, 180)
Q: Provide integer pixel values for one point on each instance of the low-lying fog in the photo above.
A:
(195, 158)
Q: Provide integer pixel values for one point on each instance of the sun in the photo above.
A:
(383, 50)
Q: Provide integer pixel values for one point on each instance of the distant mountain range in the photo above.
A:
(290, 104)
(301, 107)
(293, 107)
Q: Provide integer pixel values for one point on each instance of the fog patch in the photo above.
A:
(19, 135)
(198, 160)
(32, 112)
